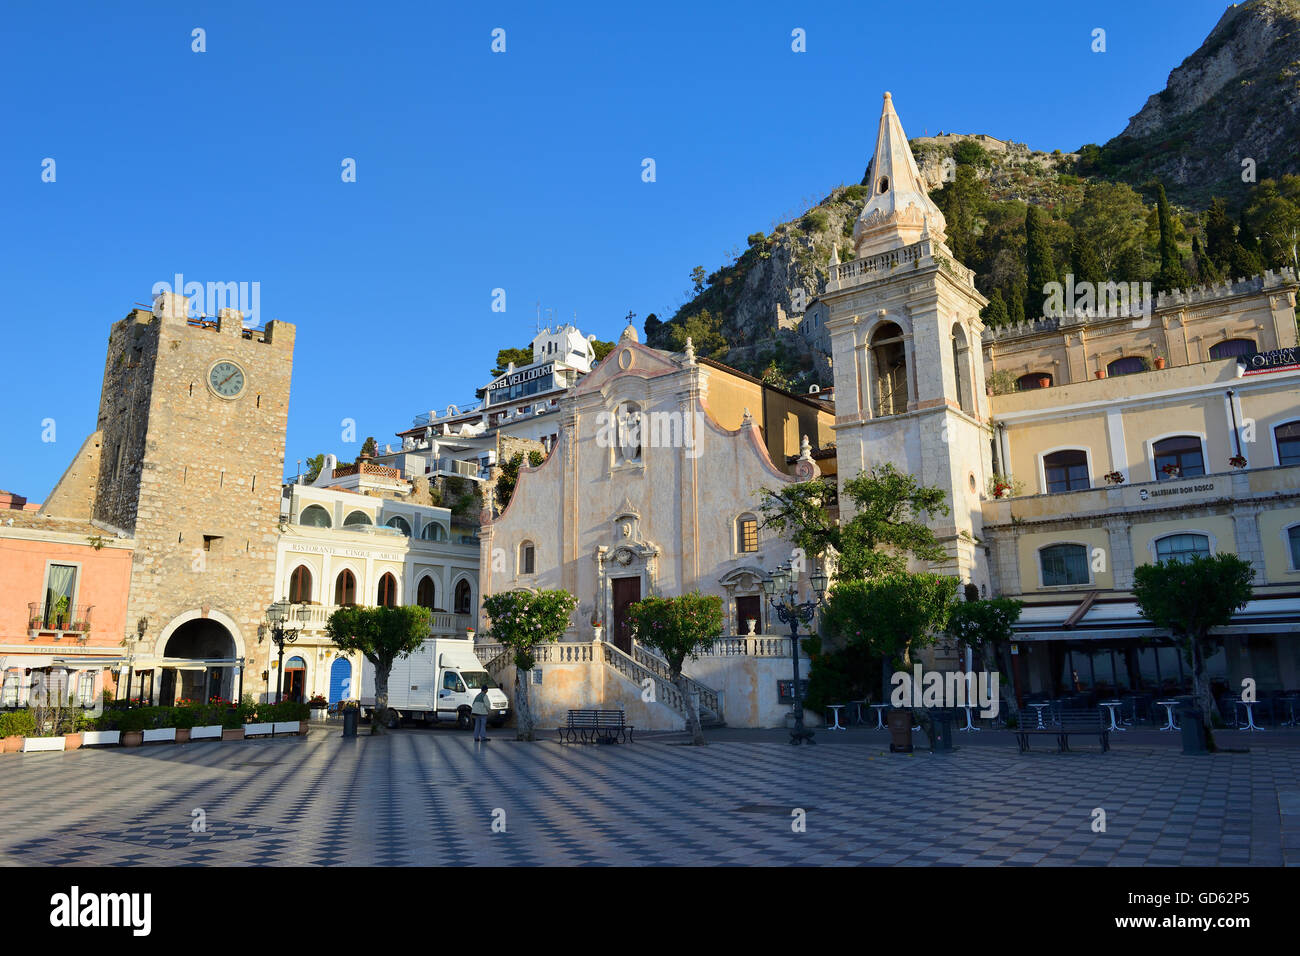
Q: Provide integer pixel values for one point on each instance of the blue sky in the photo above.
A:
(475, 170)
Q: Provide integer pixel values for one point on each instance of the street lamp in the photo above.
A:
(277, 616)
(783, 594)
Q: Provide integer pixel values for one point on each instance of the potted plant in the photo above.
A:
(1115, 478)
(1100, 373)
(1237, 461)
(14, 728)
(1004, 486)
(132, 723)
(1171, 470)
(61, 612)
(1044, 381)
(319, 706)
(183, 718)
(1159, 360)
(232, 722)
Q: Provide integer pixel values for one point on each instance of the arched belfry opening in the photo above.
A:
(888, 370)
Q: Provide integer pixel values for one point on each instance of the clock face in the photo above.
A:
(226, 379)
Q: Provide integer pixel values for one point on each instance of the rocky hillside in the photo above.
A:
(1235, 98)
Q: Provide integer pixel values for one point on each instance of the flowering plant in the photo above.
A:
(1237, 461)
(1171, 470)
(1115, 478)
(318, 700)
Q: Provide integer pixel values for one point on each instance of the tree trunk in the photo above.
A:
(379, 717)
(1005, 662)
(693, 726)
(1201, 687)
(523, 713)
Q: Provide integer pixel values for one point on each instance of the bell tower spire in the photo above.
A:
(899, 211)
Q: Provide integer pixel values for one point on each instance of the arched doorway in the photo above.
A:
(198, 639)
(340, 680)
(295, 679)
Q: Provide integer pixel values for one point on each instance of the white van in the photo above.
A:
(437, 682)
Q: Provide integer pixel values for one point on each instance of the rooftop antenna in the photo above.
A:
(539, 318)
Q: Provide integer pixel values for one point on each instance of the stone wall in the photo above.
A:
(74, 495)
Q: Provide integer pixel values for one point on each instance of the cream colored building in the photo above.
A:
(1156, 431)
(339, 547)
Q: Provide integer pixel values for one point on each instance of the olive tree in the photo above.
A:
(382, 634)
(521, 620)
(679, 627)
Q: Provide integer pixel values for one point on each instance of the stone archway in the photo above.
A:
(197, 636)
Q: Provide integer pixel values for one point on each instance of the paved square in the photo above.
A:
(430, 797)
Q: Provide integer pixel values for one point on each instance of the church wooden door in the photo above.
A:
(626, 591)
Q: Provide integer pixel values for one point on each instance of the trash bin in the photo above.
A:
(350, 723)
(900, 731)
(1193, 730)
(942, 720)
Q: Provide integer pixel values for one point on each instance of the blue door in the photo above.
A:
(341, 680)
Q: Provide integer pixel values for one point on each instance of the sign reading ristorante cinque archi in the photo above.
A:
(1272, 361)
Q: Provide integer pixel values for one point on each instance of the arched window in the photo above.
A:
(1288, 443)
(345, 589)
(300, 585)
(889, 370)
(883, 185)
(434, 531)
(1034, 380)
(314, 516)
(1293, 539)
(357, 518)
(959, 355)
(1066, 470)
(387, 591)
(527, 557)
(1181, 547)
(628, 421)
(1064, 564)
(426, 593)
(746, 534)
(400, 523)
(463, 597)
(1181, 455)
(1126, 366)
(1232, 348)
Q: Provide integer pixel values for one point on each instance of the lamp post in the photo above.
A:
(277, 617)
(783, 594)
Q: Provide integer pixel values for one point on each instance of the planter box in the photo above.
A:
(37, 744)
(255, 730)
(289, 726)
(211, 732)
(232, 733)
(167, 734)
(98, 738)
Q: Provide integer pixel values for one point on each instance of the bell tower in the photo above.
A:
(905, 335)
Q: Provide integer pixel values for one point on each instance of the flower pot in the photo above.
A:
(40, 744)
(319, 713)
(182, 735)
(1044, 382)
(598, 633)
(210, 732)
(232, 733)
(11, 745)
(1160, 362)
(1100, 373)
(132, 738)
(72, 742)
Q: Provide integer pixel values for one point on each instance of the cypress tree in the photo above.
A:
(1220, 234)
(1016, 306)
(1171, 274)
(1084, 262)
(995, 313)
(1038, 261)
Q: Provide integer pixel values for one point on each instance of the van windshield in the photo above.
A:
(477, 679)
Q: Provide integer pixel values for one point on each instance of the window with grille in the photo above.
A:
(1064, 564)
(1181, 547)
(747, 534)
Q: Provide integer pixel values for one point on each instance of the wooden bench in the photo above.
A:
(1086, 722)
(592, 725)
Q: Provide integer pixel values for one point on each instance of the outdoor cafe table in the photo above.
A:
(1250, 714)
(880, 715)
(1290, 703)
(969, 726)
(837, 725)
(1169, 706)
(1110, 705)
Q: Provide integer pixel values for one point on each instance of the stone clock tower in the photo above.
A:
(905, 334)
(192, 420)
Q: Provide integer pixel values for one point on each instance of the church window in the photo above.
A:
(527, 558)
(883, 185)
(747, 534)
(889, 370)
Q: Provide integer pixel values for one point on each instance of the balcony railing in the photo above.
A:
(70, 619)
(314, 617)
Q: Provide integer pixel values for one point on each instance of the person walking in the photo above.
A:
(479, 710)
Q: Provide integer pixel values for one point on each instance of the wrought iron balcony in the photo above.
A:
(66, 618)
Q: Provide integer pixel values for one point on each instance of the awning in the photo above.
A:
(1095, 618)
